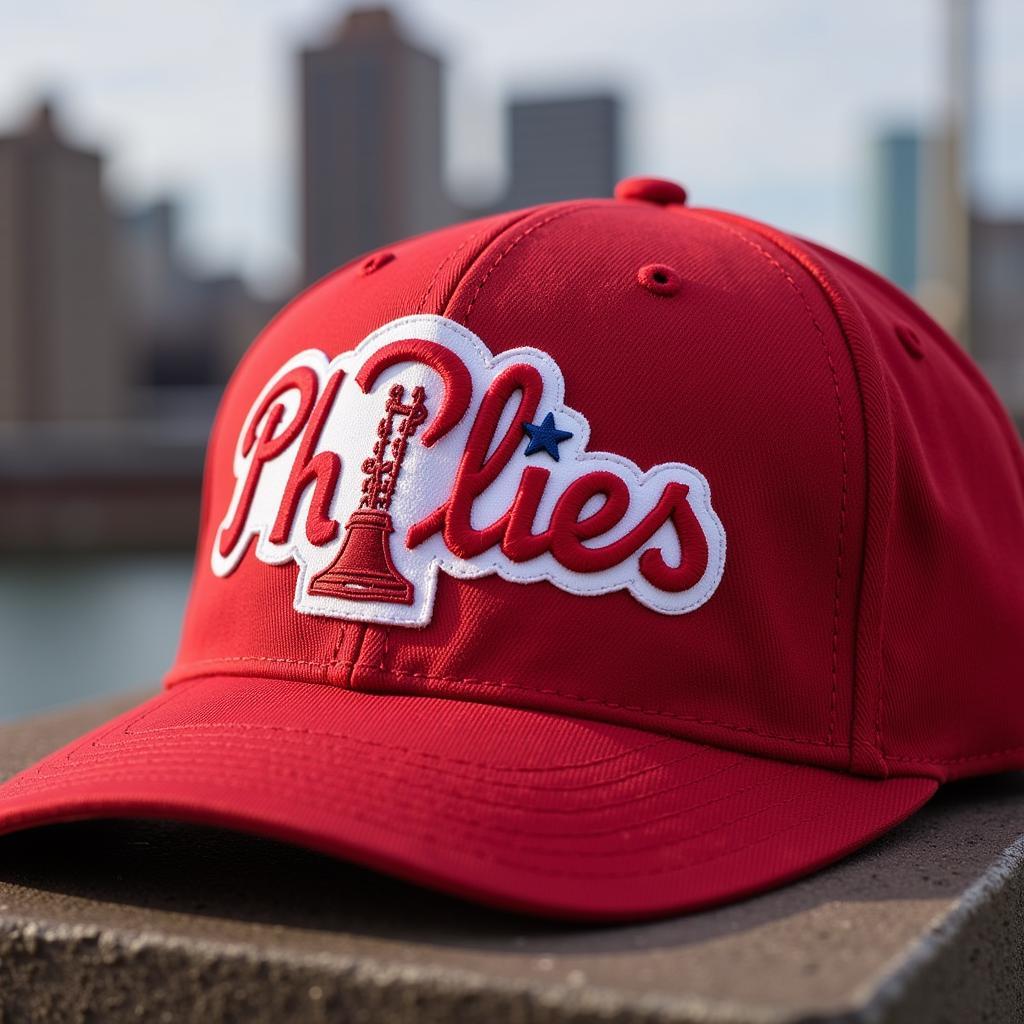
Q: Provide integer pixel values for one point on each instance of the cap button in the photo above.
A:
(651, 190)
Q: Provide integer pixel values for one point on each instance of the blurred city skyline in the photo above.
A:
(201, 161)
(766, 109)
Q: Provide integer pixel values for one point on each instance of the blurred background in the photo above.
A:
(170, 173)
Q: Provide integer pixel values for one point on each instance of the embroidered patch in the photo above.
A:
(420, 452)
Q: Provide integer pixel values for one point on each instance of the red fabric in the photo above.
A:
(868, 626)
(743, 374)
(941, 621)
(519, 809)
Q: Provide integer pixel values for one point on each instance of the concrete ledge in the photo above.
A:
(158, 922)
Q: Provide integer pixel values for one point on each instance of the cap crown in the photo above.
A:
(850, 506)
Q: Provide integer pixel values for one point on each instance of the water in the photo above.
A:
(75, 627)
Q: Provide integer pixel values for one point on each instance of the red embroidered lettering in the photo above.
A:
(478, 465)
(322, 470)
(268, 446)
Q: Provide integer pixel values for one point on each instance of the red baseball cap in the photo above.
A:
(603, 560)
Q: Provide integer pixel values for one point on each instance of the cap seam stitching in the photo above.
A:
(177, 676)
(656, 740)
(843, 503)
(282, 767)
(444, 262)
(152, 748)
(396, 675)
(342, 628)
(564, 212)
(878, 483)
(235, 781)
(511, 221)
(953, 760)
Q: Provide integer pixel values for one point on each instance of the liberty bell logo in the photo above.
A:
(363, 570)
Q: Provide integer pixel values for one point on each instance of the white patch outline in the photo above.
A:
(423, 564)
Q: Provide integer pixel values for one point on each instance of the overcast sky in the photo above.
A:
(768, 108)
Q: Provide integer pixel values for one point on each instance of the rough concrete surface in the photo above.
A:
(136, 921)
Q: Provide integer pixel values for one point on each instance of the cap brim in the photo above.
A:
(520, 809)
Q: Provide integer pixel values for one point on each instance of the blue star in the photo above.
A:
(545, 436)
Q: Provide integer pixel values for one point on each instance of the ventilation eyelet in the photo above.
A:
(659, 278)
(909, 339)
(375, 262)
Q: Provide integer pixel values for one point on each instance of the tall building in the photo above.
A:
(61, 355)
(997, 322)
(184, 330)
(918, 233)
(372, 141)
(562, 149)
(950, 246)
(912, 243)
(157, 306)
(926, 200)
(898, 158)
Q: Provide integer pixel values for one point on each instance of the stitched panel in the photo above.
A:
(395, 666)
(755, 667)
(844, 460)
